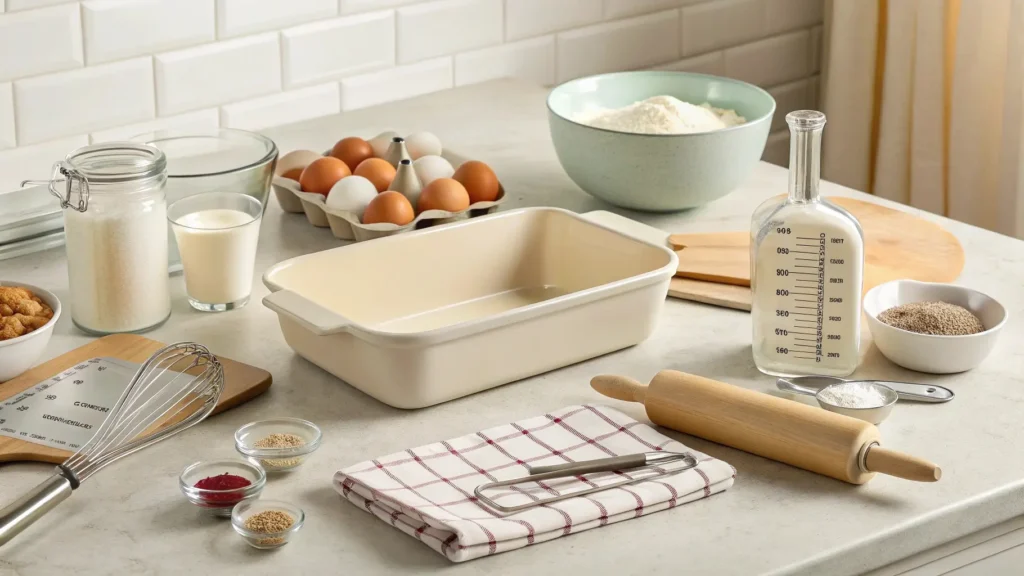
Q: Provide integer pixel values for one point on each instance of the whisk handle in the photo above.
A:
(32, 506)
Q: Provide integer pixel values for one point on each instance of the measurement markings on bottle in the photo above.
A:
(812, 289)
(821, 292)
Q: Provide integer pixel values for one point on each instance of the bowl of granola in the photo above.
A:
(27, 317)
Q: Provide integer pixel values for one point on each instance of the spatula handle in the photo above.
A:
(32, 506)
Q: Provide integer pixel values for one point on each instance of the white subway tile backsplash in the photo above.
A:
(115, 29)
(788, 97)
(532, 60)
(225, 62)
(716, 25)
(526, 18)
(396, 83)
(83, 100)
(786, 15)
(355, 6)
(772, 61)
(283, 108)
(34, 162)
(6, 116)
(442, 27)
(14, 5)
(237, 17)
(198, 121)
(217, 73)
(711, 63)
(338, 47)
(776, 150)
(40, 41)
(816, 49)
(621, 8)
(623, 45)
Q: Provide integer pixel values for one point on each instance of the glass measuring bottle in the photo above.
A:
(807, 268)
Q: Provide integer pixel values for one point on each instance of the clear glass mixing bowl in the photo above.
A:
(213, 160)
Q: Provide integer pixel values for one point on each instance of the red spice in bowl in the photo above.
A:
(217, 485)
(225, 481)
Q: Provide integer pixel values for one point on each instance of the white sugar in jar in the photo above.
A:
(115, 220)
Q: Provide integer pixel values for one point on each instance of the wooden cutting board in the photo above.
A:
(242, 383)
(897, 245)
(715, 294)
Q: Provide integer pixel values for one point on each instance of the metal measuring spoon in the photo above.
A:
(872, 414)
(928, 393)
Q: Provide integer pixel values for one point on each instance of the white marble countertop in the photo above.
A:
(131, 518)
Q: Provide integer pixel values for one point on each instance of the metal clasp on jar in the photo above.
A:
(72, 180)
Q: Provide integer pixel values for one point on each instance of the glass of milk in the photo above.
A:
(217, 233)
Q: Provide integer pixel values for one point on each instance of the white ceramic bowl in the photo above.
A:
(19, 354)
(925, 352)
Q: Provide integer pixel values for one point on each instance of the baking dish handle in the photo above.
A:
(309, 314)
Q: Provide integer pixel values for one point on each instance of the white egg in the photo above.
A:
(380, 143)
(352, 194)
(430, 168)
(423, 144)
(296, 159)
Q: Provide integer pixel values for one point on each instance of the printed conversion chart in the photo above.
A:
(65, 411)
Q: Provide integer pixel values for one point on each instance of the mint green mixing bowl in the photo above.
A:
(658, 172)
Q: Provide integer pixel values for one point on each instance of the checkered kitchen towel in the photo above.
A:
(427, 492)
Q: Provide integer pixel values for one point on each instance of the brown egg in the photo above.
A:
(378, 171)
(352, 151)
(323, 174)
(443, 194)
(390, 207)
(479, 180)
(291, 164)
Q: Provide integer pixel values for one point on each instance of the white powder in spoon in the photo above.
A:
(853, 395)
(662, 115)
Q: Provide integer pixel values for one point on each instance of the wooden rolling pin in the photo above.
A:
(798, 434)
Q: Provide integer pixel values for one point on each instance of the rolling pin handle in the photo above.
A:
(901, 465)
(619, 387)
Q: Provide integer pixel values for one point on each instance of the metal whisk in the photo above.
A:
(180, 383)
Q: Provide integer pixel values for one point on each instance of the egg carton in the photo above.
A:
(345, 225)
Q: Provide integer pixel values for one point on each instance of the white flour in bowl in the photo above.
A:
(662, 115)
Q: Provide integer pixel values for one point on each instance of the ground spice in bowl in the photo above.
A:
(933, 318)
(225, 481)
(280, 440)
(269, 522)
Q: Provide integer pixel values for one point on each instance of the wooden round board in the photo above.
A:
(900, 245)
(897, 245)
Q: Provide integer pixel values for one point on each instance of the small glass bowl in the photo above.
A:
(277, 459)
(220, 502)
(265, 540)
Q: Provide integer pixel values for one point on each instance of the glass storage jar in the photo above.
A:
(115, 221)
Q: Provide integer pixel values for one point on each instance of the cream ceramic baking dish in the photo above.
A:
(424, 317)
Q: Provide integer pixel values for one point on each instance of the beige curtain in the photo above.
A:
(925, 101)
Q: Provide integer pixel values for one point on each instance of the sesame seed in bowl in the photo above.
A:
(927, 327)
